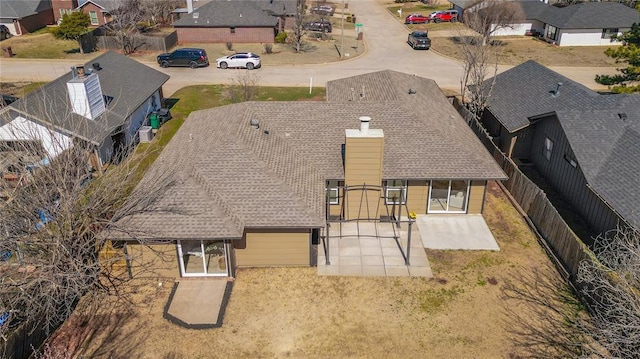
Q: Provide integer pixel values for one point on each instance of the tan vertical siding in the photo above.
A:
(265, 248)
(155, 260)
(417, 195)
(363, 165)
(476, 197)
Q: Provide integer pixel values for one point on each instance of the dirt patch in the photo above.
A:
(293, 312)
(518, 49)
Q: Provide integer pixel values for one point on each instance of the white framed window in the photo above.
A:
(548, 148)
(448, 196)
(552, 32)
(608, 33)
(94, 17)
(395, 192)
(333, 191)
(571, 161)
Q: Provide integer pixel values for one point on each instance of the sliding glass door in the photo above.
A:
(448, 196)
(203, 258)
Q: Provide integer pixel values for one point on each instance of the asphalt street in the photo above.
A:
(385, 48)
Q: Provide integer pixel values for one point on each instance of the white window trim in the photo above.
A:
(466, 202)
(204, 264)
(547, 150)
(91, 18)
(402, 188)
(335, 200)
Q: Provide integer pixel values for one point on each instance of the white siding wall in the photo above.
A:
(584, 37)
(22, 129)
(11, 26)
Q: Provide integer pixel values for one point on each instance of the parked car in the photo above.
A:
(322, 10)
(193, 58)
(320, 26)
(246, 60)
(419, 40)
(4, 32)
(444, 15)
(533, 32)
(416, 19)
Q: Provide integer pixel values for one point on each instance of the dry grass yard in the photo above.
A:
(292, 312)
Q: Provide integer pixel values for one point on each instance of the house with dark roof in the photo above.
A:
(235, 21)
(23, 17)
(100, 11)
(587, 145)
(100, 104)
(584, 24)
(255, 183)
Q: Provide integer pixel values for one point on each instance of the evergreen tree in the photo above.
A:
(72, 27)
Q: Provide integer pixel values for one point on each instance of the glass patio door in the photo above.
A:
(203, 258)
(448, 196)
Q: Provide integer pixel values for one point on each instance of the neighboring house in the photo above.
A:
(23, 17)
(254, 184)
(235, 21)
(587, 145)
(62, 7)
(100, 11)
(102, 108)
(585, 24)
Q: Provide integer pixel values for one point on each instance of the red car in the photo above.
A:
(444, 15)
(416, 19)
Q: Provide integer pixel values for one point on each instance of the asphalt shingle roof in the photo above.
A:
(590, 15)
(126, 82)
(275, 176)
(233, 13)
(17, 9)
(603, 130)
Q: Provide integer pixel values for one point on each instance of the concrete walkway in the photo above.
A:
(368, 249)
(465, 232)
(198, 304)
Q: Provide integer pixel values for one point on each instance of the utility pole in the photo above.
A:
(342, 32)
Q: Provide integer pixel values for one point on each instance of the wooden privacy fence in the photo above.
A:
(98, 39)
(561, 242)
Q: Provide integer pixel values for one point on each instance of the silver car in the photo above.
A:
(246, 60)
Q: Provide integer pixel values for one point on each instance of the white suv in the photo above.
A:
(246, 60)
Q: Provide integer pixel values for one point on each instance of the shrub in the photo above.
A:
(268, 48)
(229, 46)
(281, 38)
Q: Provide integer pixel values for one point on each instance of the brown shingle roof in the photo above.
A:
(275, 176)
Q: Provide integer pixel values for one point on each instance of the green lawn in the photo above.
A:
(41, 44)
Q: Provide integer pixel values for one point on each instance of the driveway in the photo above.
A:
(385, 39)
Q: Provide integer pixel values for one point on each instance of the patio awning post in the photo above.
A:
(406, 261)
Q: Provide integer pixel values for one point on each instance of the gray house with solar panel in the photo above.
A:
(101, 104)
(587, 145)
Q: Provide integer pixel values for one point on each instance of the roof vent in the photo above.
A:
(622, 116)
(196, 15)
(412, 91)
(96, 66)
(364, 124)
(240, 14)
(254, 123)
(556, 92)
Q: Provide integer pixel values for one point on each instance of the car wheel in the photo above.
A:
(223, 65)
(436, 21)
(250, 66)
(410, 21)
(193, 65)
(164, 64)
(454, 20)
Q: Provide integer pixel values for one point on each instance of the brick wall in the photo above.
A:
(103, 17)
(223, 35)
(35, 22)
(57, 5)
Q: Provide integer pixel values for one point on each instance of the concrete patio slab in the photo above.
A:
(198, 304)
(365, 253)
(466, 232)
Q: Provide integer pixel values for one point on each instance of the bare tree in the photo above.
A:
(611, 285)
(123, 26)
(297, 36)
(489, 16)
(159, 11)
(244, 87)
(53, 208)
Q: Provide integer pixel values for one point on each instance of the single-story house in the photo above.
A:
(102, 103)
(100, 11)
(584, 24)
(62, 7)
(23, 17)
(235, 21)
(587, 145)
(255, 183)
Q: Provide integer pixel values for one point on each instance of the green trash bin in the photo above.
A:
(154, 121)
